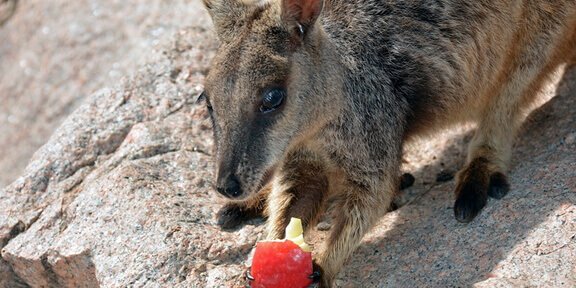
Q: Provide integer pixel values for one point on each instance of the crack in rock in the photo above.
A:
(18, 228)
(7, 9)
(8, 278)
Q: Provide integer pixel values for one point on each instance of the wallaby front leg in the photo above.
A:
(299, 189)
(357, 212)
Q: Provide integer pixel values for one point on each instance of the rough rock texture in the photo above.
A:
(53, 54)
(120, 195)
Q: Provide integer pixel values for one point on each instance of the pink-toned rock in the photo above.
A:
(54, 54)
(121, 194)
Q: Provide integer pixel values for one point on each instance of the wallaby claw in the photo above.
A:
(249, 276)
(315, 276)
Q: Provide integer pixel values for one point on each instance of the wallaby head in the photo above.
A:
(264, 86)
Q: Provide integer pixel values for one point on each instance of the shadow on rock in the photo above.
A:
(7, 9)
(518, 240)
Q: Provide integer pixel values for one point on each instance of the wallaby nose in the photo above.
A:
(229, 186)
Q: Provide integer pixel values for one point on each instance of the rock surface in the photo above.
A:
(120, 195)
(54, 54)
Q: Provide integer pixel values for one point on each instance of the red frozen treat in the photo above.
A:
(282, 263)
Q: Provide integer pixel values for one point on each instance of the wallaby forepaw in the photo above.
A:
(249, 278)
(499, 186)
(230, 216)
(317, 276)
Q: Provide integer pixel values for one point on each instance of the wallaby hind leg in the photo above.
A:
(489, 152)
(234, 213)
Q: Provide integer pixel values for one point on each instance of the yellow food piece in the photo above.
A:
(294, 228)
(295, 233)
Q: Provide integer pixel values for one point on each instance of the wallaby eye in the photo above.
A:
(201, 97)
(272, 99)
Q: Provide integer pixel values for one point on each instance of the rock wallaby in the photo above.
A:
(313, 99)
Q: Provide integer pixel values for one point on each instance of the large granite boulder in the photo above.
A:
(121, 194)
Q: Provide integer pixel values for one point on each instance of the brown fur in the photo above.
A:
(360, 78)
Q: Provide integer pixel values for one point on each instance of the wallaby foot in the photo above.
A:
(499, 186)
(232, 215)
(475, 183)
(316, 276)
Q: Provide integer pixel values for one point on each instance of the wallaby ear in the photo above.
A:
(226, 16)
(303, 13)
(212, 4)
(258, 3)
(209, 4)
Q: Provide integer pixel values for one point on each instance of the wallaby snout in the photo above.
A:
(228, 185)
